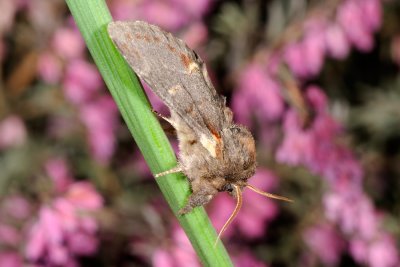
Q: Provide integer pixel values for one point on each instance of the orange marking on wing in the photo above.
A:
(128, 36)
(146, 38)
(170, 47)
(186, 60)
(217, 137)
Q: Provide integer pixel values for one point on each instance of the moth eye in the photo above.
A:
(227, 187)
(235, 130)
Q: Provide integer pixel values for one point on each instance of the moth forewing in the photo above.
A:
(215, 154)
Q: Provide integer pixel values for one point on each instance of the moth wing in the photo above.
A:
(175, 73)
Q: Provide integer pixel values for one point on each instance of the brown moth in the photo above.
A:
(215, 153)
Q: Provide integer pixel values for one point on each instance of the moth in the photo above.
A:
(215, 154)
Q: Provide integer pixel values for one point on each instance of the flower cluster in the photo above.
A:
(65, 228)
(316, 146)
(82, 86)
(322, 37)
(58, 231)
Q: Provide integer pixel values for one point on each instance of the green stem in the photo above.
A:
(92, 18)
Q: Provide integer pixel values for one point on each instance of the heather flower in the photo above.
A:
(58, 171)
(68, 43)
(372, 13)
(61, 231)
(100, 118)
(351, 13)
(195, 8)
(81, 81)
(259, 91)
(12, 132)
(49, 68)
(9, 235)
(383, 253)
(296, 147)
(337, 44)
(8, 10)
(124, 9)
(162, 258)
(179, 252)
(293, 55)
(324, 241)
(313, 45)
(359, 250)
(166, 15)
(195, 35)
(16, 207)
(10, 259)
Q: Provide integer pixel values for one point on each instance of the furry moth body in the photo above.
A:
(215, 153)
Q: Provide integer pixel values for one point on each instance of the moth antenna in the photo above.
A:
(234, 213)
(258, 191)
(173, 170)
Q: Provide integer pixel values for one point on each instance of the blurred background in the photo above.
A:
(317, 82)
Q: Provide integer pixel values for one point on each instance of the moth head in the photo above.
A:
(239, 155)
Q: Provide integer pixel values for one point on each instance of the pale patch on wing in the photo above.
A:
(193, 66)
(173, 90)
(209, 144)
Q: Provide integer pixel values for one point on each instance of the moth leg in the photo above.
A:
(198, 198)
(173, 170)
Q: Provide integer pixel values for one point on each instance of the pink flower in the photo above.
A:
(359, 250)
(350, 13)
(315, 148)
(166, 15)
(81, 243)
(58, 171)
(49, 68)
(62, 231)
(325, 242)
(84, 196)
(100, 118)
(336, 42)
(16, 207)
(314, 50)
(195, 35)
(162, 258)
(68, 43)
(372, 13)
(124, 10)
(196, 8)
(10, 259)
(383, 253)
(293, 55)
(178, 253)
(9, 235)
(8, 9)
(81, 81)
(297, 145)
(259, 93)
(12, 132)
(36, 243)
